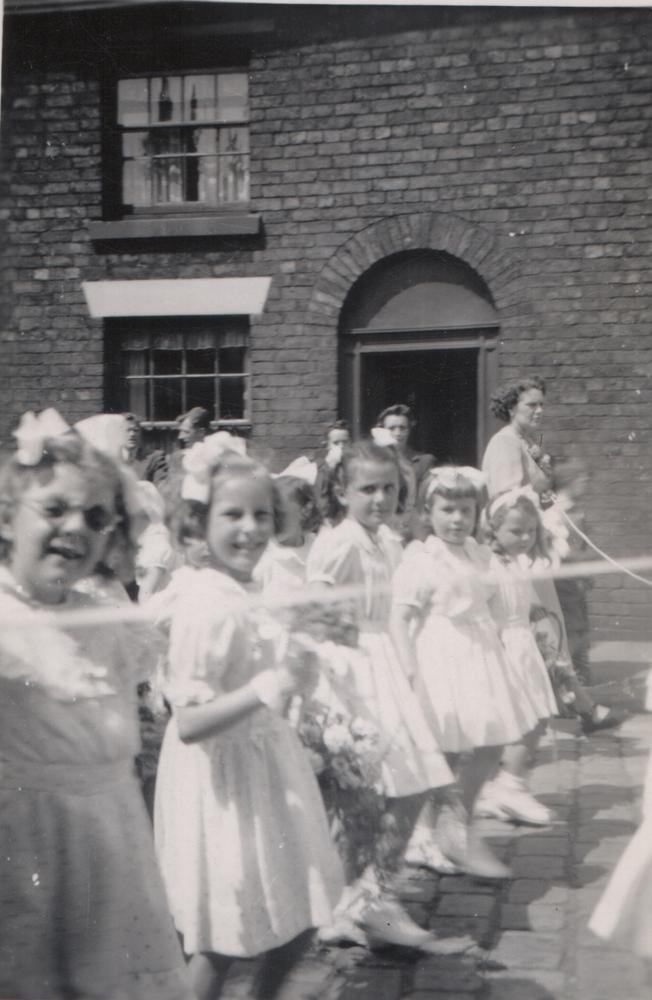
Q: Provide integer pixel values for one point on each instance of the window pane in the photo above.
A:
(200, 362)
(166, 362)
(232, 399)
(167, 178)
(207, 180)
(206, 141)
(135, 362)
(167, 399)
(165, 98)
(190, 138)
(231, 360)
(234, 140)
(135, 144)
(232, 97)
(199, 102)
(136, 182)
(135, 398)
(164, 142)
(133, 102)
(234, 178)
(201, 392)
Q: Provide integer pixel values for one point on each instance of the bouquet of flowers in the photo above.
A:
(346, 756)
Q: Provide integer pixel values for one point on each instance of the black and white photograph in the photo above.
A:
(325, 492)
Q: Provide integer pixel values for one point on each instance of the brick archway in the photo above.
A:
(476, 246)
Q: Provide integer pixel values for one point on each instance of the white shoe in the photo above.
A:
(487, 804)
(509, 795)
(422, 855)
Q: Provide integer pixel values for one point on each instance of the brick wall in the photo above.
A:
(516, 140)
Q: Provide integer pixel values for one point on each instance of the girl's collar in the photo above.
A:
(372, 543)
(437, 546)
(228, 582)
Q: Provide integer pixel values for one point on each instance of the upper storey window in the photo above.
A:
(184, 141)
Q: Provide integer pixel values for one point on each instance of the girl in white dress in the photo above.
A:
(241, 832)
(448, 641)
(282, 568)
(624, 912)
(361, 551)
(82, 906)
(515, 529)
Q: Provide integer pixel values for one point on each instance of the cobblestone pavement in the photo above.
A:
(535, 925)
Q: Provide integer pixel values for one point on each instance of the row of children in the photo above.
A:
(443, 679)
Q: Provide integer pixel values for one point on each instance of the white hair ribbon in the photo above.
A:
(33, 431)
(511, 497)
(200, 461)
(381, 436)
(107, 432)
(334, 456)
(301, 468)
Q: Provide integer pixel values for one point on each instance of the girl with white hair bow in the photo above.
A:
(448, 642)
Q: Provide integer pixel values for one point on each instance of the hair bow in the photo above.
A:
(200, 461)
(33, 431)
(511, 497)
(301, 468)
(107, 432)
(334, 456)
(381, 436)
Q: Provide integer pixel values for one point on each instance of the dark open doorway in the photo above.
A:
(420, 328)
(441, 389)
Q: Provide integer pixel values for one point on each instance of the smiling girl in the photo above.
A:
(82, 906)
(445, 633)
(240, 828)
(362, 551)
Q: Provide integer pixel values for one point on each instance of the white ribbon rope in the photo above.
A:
(319, 594)
(621, 567)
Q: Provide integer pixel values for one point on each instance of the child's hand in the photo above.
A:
(273, 687)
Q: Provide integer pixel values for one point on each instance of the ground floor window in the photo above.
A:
(159, 368)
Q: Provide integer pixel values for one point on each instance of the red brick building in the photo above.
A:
(288, 212)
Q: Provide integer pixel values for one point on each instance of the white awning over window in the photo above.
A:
(177, 297)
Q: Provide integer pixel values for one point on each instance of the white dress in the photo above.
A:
(282, 568)
(241, 834)
(464, 683)
(412, 761)
(83, 910)
(511, 605)
(624, 913)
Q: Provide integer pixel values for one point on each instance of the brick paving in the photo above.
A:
(535, 925)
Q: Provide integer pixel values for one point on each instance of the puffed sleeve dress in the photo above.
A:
(241, 833)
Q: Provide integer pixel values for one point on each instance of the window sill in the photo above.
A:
(139, 228)
(215, 425)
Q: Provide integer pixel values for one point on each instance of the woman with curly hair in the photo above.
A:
(514, 456)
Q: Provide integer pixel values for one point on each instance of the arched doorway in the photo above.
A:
(420, 327)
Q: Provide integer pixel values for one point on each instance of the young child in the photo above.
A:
(338, 436)
(240, 829)
(282, 567)
(447, 639)
(362, 552)
(82, 905)
(514, 529)
(623, 914)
